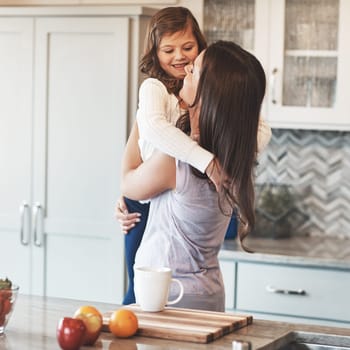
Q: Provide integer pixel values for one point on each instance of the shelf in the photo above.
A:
(311, 53)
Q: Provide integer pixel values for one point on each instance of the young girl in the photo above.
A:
(188, 217)
(174, 40)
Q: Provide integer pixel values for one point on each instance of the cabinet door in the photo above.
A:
(309, 73)
(245, 22)
(80, 133)
(16, 52)
(294, 291)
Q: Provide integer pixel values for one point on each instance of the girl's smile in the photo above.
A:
(176, 51)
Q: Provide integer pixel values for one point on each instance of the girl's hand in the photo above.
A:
(127, 221)
(214, 171)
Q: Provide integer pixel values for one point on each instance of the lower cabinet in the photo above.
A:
(288, 292)
(228, 270)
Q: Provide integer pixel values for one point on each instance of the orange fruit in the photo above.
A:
(123, 323)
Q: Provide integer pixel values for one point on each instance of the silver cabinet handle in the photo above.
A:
(272, 289)
(273, 86)
(23, 213)
(38, 224)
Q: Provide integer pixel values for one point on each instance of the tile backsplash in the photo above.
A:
(316, 166)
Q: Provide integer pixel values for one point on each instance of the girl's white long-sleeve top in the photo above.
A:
(156, 116)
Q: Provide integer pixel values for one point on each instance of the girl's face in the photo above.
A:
(177, 50)
(190, 85)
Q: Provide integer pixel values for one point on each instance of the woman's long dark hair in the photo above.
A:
(167, 21)
(230, 92)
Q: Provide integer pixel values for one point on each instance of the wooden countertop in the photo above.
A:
(33, 327)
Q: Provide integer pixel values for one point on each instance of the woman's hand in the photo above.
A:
(127, 221)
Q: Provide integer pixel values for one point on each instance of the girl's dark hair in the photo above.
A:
(230, 91)
(167, 21)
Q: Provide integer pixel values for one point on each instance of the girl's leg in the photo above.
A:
(132, 242)
(231, 232)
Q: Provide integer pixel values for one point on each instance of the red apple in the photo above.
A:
(70, 333)
(93, 321)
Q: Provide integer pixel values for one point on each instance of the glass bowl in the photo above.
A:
(7, 303)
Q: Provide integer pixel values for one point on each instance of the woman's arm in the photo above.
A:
(143, 180)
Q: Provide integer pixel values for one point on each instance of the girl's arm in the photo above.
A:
(161, 133)
(143, 180)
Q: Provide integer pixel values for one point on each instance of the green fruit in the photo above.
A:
(5, 283)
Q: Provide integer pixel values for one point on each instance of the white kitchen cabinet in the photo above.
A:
(308, 68)
(286, 292)
(70, 85)
(294, 291)
(303, 46)
(16, 57)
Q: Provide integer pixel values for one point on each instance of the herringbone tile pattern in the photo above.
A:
(317, 166)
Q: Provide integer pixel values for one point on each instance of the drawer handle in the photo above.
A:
(272, 289)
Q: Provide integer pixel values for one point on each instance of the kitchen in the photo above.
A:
(43, 165)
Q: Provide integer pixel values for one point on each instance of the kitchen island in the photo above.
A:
(302, 279)
(33, 327)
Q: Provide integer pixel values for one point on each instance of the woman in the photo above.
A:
(173, 40)
(188, 218)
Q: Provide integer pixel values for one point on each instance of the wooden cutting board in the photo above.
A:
(185, 324)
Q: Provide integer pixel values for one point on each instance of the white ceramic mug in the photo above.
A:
(152, 287)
